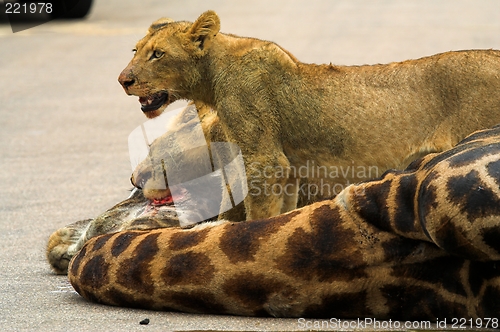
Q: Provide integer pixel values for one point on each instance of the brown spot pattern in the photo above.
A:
(122, 242)
(100, 241)
(346, 305)
(252, 290)
(448, 277)
(94, 273)
(426, 201)
(452, 239)
(473, 196)
(241, 241)
(481, 135)
(399, 248)
(74, 264)
(491, 237)
(328, 252)
(188, 268)
(404, 217)
(372, 206)
(480, 273)
(493, 169)
(130, 300)
(196, 301)
(490, 306)
(134, 272)
(408, 302)
(472, 155)
(187, 239)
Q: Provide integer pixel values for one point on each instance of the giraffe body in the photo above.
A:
(422, 243)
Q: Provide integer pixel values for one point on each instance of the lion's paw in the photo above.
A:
(61, 245)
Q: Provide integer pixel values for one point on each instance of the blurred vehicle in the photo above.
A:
(58, 8)
(70, 8)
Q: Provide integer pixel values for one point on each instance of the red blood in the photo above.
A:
(164, 201)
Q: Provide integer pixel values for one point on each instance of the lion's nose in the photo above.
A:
(133, 181)
(139, 179)
(125, 80)
(127, 83)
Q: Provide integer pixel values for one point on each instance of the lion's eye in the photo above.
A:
(157, 54)
(134, 51)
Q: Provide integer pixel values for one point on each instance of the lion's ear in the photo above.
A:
(204, 29)
(159, 24)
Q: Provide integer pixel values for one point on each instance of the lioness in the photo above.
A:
(285, 114)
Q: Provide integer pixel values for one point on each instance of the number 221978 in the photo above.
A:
(32, 8)
(462, 323)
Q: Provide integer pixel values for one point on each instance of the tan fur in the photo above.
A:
(418, 244)
(149, 175)
(138, 212)
(283, 113)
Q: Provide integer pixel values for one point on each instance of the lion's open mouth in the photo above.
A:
(153, 102)
(169, 198)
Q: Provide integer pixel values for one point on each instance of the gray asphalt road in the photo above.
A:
(64, 123)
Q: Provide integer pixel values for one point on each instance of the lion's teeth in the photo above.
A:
(146, 100)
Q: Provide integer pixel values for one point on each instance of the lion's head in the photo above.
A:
(167, 62)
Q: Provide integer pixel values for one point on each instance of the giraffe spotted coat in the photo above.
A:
(422, 243)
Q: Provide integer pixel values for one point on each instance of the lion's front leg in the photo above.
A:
(291, 195)
(270, 190)
(64, 243)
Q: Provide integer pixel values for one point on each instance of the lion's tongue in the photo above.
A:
(169, 199)
(163, 201)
